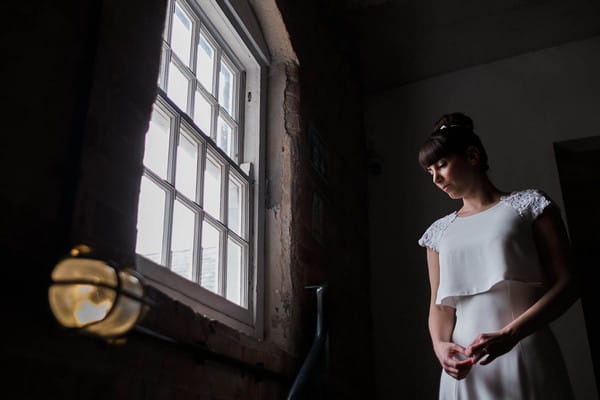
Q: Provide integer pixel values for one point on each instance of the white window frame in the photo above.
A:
(230, 25)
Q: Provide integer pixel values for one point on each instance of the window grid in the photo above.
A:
(170, 57)
(209, 144)
(218, 222)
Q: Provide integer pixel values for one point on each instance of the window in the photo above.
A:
(198, 213)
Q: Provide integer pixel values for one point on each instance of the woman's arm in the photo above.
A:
(441, 323)
(555, 255)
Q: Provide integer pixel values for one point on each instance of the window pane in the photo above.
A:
(202, 114)
(225, 136)
(181, 34)
(177, 87)
(210, 257)
(234, 211)
(212, 188)
(182, 242)
(187, 166)
(150, 223)
(156, 151)
(205, 63)
(226, 88)
(234, 273)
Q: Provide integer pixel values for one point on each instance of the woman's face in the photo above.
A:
(453, 174)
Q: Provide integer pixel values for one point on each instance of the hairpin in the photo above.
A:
(448, 126)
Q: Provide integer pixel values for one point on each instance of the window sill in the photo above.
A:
(197, 298)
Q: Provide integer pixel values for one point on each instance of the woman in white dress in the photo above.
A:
(500, 271)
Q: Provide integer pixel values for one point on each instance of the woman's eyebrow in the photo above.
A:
(433, 164)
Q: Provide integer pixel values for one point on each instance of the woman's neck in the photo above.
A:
(481, 196)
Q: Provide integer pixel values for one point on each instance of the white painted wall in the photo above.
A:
(520, 106)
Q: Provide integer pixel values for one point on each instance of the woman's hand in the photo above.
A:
(491, 346)
(453, 359)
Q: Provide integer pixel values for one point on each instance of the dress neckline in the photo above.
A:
(487, 209)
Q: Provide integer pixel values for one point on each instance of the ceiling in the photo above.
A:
(402, 41)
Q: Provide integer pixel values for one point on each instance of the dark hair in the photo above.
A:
(452, 134)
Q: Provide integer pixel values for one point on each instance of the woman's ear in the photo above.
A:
(473, 155)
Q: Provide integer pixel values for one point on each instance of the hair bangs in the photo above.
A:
(434, 148)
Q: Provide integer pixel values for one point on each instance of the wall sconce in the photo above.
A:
(91, 295)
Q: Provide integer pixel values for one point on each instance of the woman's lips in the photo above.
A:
(445, 187)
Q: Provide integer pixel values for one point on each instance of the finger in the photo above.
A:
(454, 363)
(464, 363)
(450, 365)
(478, 348)
(477, 340)
(465, 352)
(474, 343)
(457, 349)
(469, 351)
(483, 337)
(487, 360)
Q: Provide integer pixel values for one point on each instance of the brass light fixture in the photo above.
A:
(91, 295)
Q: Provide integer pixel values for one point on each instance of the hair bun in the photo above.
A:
(452, 120)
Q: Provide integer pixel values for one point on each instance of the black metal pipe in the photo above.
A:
(316, 347)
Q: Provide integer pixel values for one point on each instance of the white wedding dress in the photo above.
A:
(490, 273)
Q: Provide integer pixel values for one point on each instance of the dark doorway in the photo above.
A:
(578, 164)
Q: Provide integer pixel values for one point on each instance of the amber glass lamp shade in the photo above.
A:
(92, 296)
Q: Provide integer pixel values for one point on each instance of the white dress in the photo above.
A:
(490, 273)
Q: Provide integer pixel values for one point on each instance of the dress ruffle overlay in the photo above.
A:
(490, 273)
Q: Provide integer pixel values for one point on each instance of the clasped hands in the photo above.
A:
(457, 361)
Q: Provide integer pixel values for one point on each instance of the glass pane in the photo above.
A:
(187, 166)
(177, 87)
(202, 114)
(181, 34)
(212, 188)
(210, 257)
(226, 88)
(234, 210)
(156, 151)
(150, 223)
(225, 136)
(234, 273)
(182, 241)
(205, 62)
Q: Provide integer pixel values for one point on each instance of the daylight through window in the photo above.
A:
(194, 205)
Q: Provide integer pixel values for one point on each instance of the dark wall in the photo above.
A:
(80, 86)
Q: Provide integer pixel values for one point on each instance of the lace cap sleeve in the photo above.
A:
(531, 202)
(433, 234)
